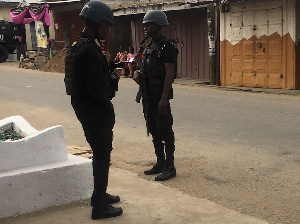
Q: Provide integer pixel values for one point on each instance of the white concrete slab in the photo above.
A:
(30, 189)
(36, 171)
(35, 149)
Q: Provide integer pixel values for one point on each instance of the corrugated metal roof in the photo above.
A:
(117, 4)
(63, 1)
(121, 4)
(20, 1)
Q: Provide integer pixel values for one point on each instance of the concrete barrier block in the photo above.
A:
(36, 171)
(31, 189)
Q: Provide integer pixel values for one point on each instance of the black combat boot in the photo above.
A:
(157, 168)
(167, 173)
(159, 148)
(109, 199)
(106, 211)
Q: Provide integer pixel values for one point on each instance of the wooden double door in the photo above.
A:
(256, 55)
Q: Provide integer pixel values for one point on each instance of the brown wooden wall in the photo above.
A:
(189, 29)
(69, 27)
(120, 35)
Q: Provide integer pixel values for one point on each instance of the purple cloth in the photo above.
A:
(20, 18)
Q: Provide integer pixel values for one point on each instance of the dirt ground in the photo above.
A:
(241, 182)
(57, 64)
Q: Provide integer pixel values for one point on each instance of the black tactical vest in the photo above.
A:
(75, 65)
(154, 68)
(73, 61)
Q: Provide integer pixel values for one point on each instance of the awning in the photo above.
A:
(136, 7)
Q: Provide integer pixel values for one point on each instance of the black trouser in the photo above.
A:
(97, 124)
(160, 127)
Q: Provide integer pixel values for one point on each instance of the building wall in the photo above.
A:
(120, 35)
(188, 29)
(258, 42)
(67, 26)
(4, 15)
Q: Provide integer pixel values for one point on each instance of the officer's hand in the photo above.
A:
(163, 106)
(136, 77)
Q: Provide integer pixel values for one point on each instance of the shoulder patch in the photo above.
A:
(74, 43)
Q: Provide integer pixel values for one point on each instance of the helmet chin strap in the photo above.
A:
(146, 37)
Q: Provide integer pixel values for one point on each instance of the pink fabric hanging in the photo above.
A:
(47, 16)
(20, 18)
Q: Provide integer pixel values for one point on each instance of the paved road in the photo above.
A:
(269, 123)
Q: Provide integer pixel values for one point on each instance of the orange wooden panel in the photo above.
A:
(237, 78)
(290, 63)
(261, 48)
(248, 48)
(275, 65)
(223, 62)
(275, 81)
(236, 65)
(261, 80)
(227, 63)
(261, 65)
(267, 61)
(248, 65)
(237, 50)
(248, 79)
(275, 47)
(297, 72)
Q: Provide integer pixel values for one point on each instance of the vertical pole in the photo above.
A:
(218, 55)
(212, 42)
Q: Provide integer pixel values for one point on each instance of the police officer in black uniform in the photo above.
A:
(87, 80)
(159, 60)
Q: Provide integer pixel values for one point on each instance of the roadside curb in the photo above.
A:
(196, 82)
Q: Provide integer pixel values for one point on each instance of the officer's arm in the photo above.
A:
(169, 68)
(169, 56)
(163, 103)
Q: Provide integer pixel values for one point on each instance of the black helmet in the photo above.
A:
(157, 17)
(97, 12)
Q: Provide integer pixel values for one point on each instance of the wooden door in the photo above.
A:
(256, 60)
